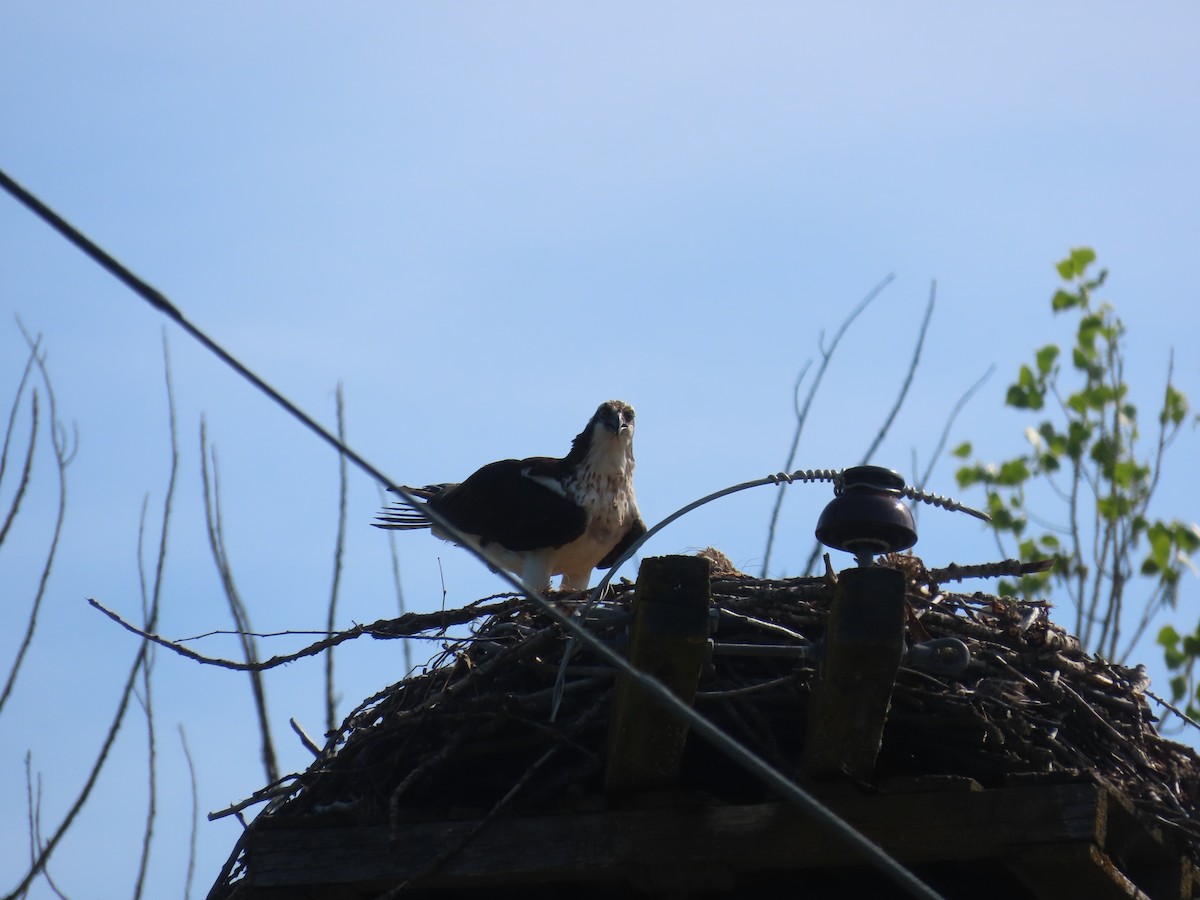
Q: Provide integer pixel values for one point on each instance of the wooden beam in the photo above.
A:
(916, 829)
(864, 641)
(1054, 871)
(668, 638)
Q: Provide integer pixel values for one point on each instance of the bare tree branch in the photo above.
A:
(191, 866)
(39, 864)
(150, 608)
(959, 406)
(216, 539)
(908, 378)
(62, 458)
(406, 626)
(802, 413)
(338, 550)
(16, 404)
(26, 470)
(395, 556)
(34, 802)
(895, 410)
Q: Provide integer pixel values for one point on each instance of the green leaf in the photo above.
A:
(1066, 268)
(1046, 357)
(1113, 507)
(1089, 327)
(1017, 397)
(1187, 537)
(1048, 462)
(1167, 636)
(1081, 258)
(1064, 300)
(1013, 472)
(962, 451)
(1104, 451)
(1127, 472)
(1160, 545)
(1175, 407)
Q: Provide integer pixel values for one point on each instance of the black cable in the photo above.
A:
(718, 738)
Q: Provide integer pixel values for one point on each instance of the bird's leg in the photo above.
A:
(536, 572)
(575, 581)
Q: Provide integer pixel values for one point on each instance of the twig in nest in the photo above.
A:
(442, 858)
(308, 742)
(419, 772)
(384, 629)
(1009, 567)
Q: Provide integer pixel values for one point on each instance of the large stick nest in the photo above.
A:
(485, 727)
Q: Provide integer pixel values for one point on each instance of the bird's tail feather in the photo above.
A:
(400, 516)
(403, 515)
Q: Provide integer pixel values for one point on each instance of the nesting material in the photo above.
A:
(497, 724)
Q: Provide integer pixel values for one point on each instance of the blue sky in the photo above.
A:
(483, 220)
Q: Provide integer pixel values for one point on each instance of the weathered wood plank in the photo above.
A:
(913, 828)
(1055, 871)
(864, 641)
(668, 638)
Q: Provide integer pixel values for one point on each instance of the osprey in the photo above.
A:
(541, 516)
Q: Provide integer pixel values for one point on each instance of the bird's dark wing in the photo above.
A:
(636, 530)
(503, 505)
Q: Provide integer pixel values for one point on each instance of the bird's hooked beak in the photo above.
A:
(614, 422)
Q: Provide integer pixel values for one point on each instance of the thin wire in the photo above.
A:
(719, 739)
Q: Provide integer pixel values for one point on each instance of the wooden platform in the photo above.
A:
(1038, 840)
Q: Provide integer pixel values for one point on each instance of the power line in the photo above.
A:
(727, 745)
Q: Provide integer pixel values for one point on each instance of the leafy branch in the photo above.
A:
(1087, 454)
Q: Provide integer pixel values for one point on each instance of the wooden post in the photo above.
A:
(668, 638)
(864, 641)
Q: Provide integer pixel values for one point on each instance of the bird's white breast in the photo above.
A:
(603, 486)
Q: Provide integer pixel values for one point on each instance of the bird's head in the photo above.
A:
(614, 417)
(610, 428)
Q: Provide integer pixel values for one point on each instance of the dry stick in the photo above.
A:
(895, 410)
(308, 743)
(216, 538)
(218, 889)
(12, 427)
(501, 659)
(395, 555)
(16, 404)
(282, 788)
(474, 831)
(35, 821)
(448, 748)
(908, 378)
(191, 866)
(1008, 567)
(802, 414)
(26, 469)
(62, 459)
(150, 608)
(146, 698)
(338, 549)
(945, 435)
(751, 688)
(82, 798)
(384, 629)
